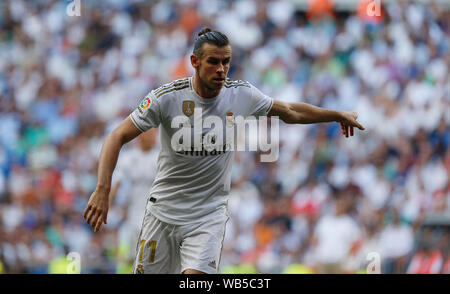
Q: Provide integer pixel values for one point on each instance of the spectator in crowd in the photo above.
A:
(397, 240)
(426, 261)
(336, 235)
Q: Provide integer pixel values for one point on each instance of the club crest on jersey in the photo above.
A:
(188, 107)
(140, 269)
(145, 103)
(229, 119)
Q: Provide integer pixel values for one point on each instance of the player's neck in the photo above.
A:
(202, 90)
(145, 148)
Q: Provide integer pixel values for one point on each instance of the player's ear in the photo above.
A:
(195, 60)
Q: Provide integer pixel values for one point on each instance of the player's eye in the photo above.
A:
(213, 61)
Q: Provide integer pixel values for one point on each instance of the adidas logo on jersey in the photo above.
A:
(212, 264)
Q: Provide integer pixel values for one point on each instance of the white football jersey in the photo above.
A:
(189, 183)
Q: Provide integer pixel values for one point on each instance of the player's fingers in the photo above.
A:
(88, 214)
(342, 128)
(98, 223)
(351, 131)
(97, 228)
(97, 217)
(91, 215)
(86, 211)
(359, 126)
(346, 131)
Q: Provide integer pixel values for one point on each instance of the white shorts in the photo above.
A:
(171, 249)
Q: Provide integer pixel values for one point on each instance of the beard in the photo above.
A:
(210, 85)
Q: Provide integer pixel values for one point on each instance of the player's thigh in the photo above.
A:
(157, 251)
(202, 245)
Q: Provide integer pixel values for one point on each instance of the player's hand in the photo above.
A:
(348, 122)
(97, 209)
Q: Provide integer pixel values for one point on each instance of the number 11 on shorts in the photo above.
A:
(150, 244)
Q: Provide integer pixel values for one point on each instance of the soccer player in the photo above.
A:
(186, 213)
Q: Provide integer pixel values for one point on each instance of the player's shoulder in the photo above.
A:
(238, 88)
(171, 88)
(229, 83)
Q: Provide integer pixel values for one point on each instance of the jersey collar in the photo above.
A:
(200, 98)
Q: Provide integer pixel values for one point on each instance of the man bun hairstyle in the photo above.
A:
(207, 35)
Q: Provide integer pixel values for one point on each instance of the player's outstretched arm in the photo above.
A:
(304, 113)
(96, 210)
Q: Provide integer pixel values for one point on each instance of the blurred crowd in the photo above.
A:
(330, 204)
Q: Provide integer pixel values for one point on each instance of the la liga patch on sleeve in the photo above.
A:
(145, 103)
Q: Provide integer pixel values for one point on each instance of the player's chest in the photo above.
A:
(189, 112)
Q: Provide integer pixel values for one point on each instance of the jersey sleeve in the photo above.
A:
(148, 114)
(260, 104)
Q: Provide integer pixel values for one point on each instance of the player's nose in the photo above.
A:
(220, 68)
